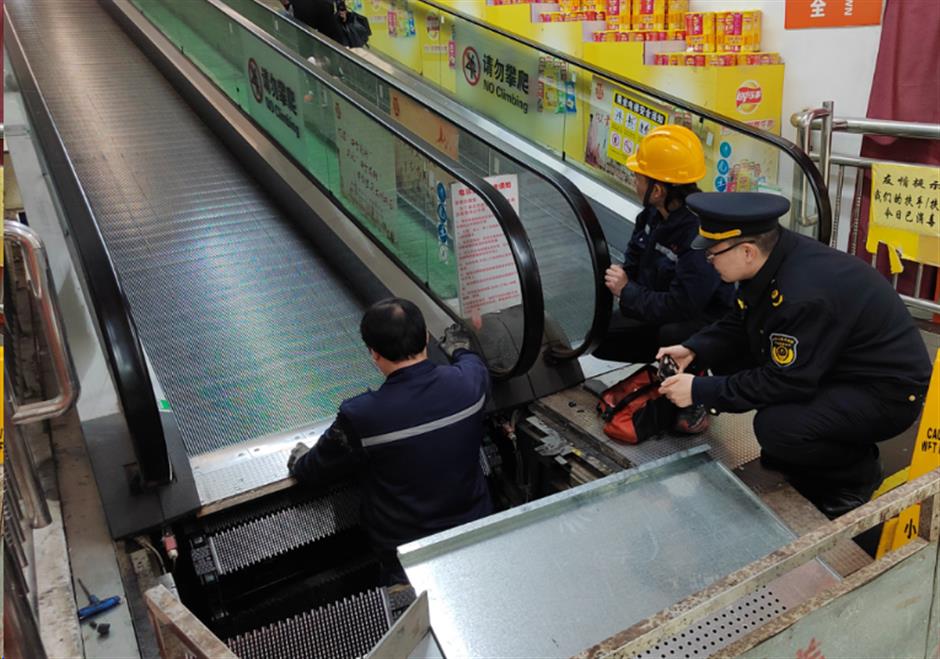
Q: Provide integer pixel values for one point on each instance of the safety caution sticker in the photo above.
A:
(898, 531)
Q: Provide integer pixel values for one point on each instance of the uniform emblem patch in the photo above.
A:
(783, 349)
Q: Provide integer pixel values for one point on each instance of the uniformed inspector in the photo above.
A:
(414, 443)
(819, 344)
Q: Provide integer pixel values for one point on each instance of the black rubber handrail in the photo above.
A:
(122, 345)
(523, 254)
(583, 212)
(802, 159)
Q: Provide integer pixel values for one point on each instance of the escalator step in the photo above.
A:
(276, 533)
(347, 628)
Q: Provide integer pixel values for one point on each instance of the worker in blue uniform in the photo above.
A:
(666, 290)
(414, 443)
(820, 345)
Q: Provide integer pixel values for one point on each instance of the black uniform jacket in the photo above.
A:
(811, 316)
(668, 280)
(415, 445)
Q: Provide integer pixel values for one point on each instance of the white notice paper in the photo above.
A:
(485, 268)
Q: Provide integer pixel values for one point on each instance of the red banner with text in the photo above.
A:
(832, 13)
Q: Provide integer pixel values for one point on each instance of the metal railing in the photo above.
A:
(25, 505)
(823, 121)
(22, 468)
(39, 283)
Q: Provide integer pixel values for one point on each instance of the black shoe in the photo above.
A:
(837, 501)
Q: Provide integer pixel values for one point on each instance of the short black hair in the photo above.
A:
(766, 241)
(675, 192)
(395, 329)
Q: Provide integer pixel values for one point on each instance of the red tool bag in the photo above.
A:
(633, 410)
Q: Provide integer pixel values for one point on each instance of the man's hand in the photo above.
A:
(455, 338)
(680, 353)
(678, 389)
(616, 278)
(296, 454)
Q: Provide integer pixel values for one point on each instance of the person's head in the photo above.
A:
(664, 196)
(395, 334)
(738, 230)
(668, 163)
(341, 10)
(740, 259)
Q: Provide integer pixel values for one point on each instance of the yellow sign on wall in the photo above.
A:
(631, 119)
(905, 213)
(906, 197)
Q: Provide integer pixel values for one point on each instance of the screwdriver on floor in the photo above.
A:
(95, 605)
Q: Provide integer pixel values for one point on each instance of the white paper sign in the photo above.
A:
(486, 270)
(366, 154)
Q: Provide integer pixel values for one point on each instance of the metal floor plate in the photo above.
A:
(248, 330)
(596, 559)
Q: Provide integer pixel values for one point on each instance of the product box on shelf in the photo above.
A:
(758, 58)
(721, 59)
(716, 59)
(738, 31)
(675, 14)
(649, 15)
(700, 31)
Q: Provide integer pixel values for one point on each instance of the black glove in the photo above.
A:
(456, 337)
(299, 451)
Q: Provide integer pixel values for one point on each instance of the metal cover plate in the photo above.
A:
(555, 576)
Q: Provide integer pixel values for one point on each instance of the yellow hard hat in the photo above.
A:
(672, 154)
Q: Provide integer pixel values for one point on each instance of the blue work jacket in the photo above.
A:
(415, 446)
(669, 281)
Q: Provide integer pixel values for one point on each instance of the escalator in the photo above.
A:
(233, 216)
(236, 192)
(575, 118)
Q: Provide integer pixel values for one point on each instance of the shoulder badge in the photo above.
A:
(783, 349)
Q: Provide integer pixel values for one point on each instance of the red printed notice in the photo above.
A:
(485, 268)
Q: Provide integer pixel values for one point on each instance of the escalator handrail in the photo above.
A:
(802, 159)
(520, 247)
(587, 219)
(124, 352)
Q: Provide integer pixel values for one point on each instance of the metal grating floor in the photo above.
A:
(717, 631)
(247, 329)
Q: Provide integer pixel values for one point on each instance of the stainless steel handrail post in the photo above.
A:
(37, 274)
(23, 469)
(804, 139)
(888, 127)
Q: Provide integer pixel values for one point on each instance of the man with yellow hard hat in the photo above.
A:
(667, 291)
